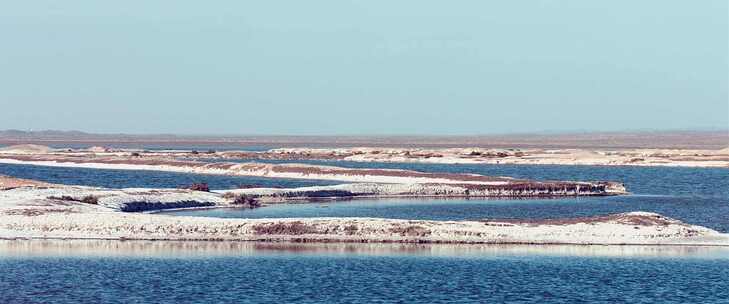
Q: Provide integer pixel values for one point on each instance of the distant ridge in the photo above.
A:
(44, 133)
(714, 139)
(73, 135)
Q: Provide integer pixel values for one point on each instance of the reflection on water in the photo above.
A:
(197, 249)
(247, 272)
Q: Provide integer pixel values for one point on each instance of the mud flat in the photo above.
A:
(66, 212)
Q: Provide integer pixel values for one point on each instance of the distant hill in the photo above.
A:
(74, 135)
(41, 134)
(605, 140)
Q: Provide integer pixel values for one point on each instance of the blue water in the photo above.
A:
(144, 178)
(189, 273)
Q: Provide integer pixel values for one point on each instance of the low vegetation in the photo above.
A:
(411, 230)
(293, 228)
(197, 187)
(351, 229)
(242, 200)
(88, 199)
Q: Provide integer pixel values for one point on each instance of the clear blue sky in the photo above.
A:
(363, 67)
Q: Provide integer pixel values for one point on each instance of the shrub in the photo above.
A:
(63, 198)
(229, 195)
(197, 187)
(412, 230)
(351, 229)
(90, 199)
(247, 201)
(293, 228)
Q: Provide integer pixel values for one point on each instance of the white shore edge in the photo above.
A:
(33, 210)
(29, 213)
(263, 172)
(586, 157)
(461, 185)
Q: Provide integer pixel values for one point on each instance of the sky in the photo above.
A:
(344, 67)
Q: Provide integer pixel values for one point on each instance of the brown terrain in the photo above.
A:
(634, 219)
(8, 182)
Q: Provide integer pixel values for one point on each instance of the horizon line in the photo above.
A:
(516, 133)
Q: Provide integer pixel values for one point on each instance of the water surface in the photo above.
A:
(281, 273)
(117, 179)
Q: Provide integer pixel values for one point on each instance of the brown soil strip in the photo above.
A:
(7, 182)
(635, 220)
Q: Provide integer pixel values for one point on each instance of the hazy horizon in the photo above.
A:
(545, 132)
(364, 68)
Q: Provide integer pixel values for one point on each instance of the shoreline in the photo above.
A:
(32, 210)
(364, 230)
(321, 241)
(206, 249)
(472, 156)
(35, 212)
(336, 200)
(466, 156)
(377, 182)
